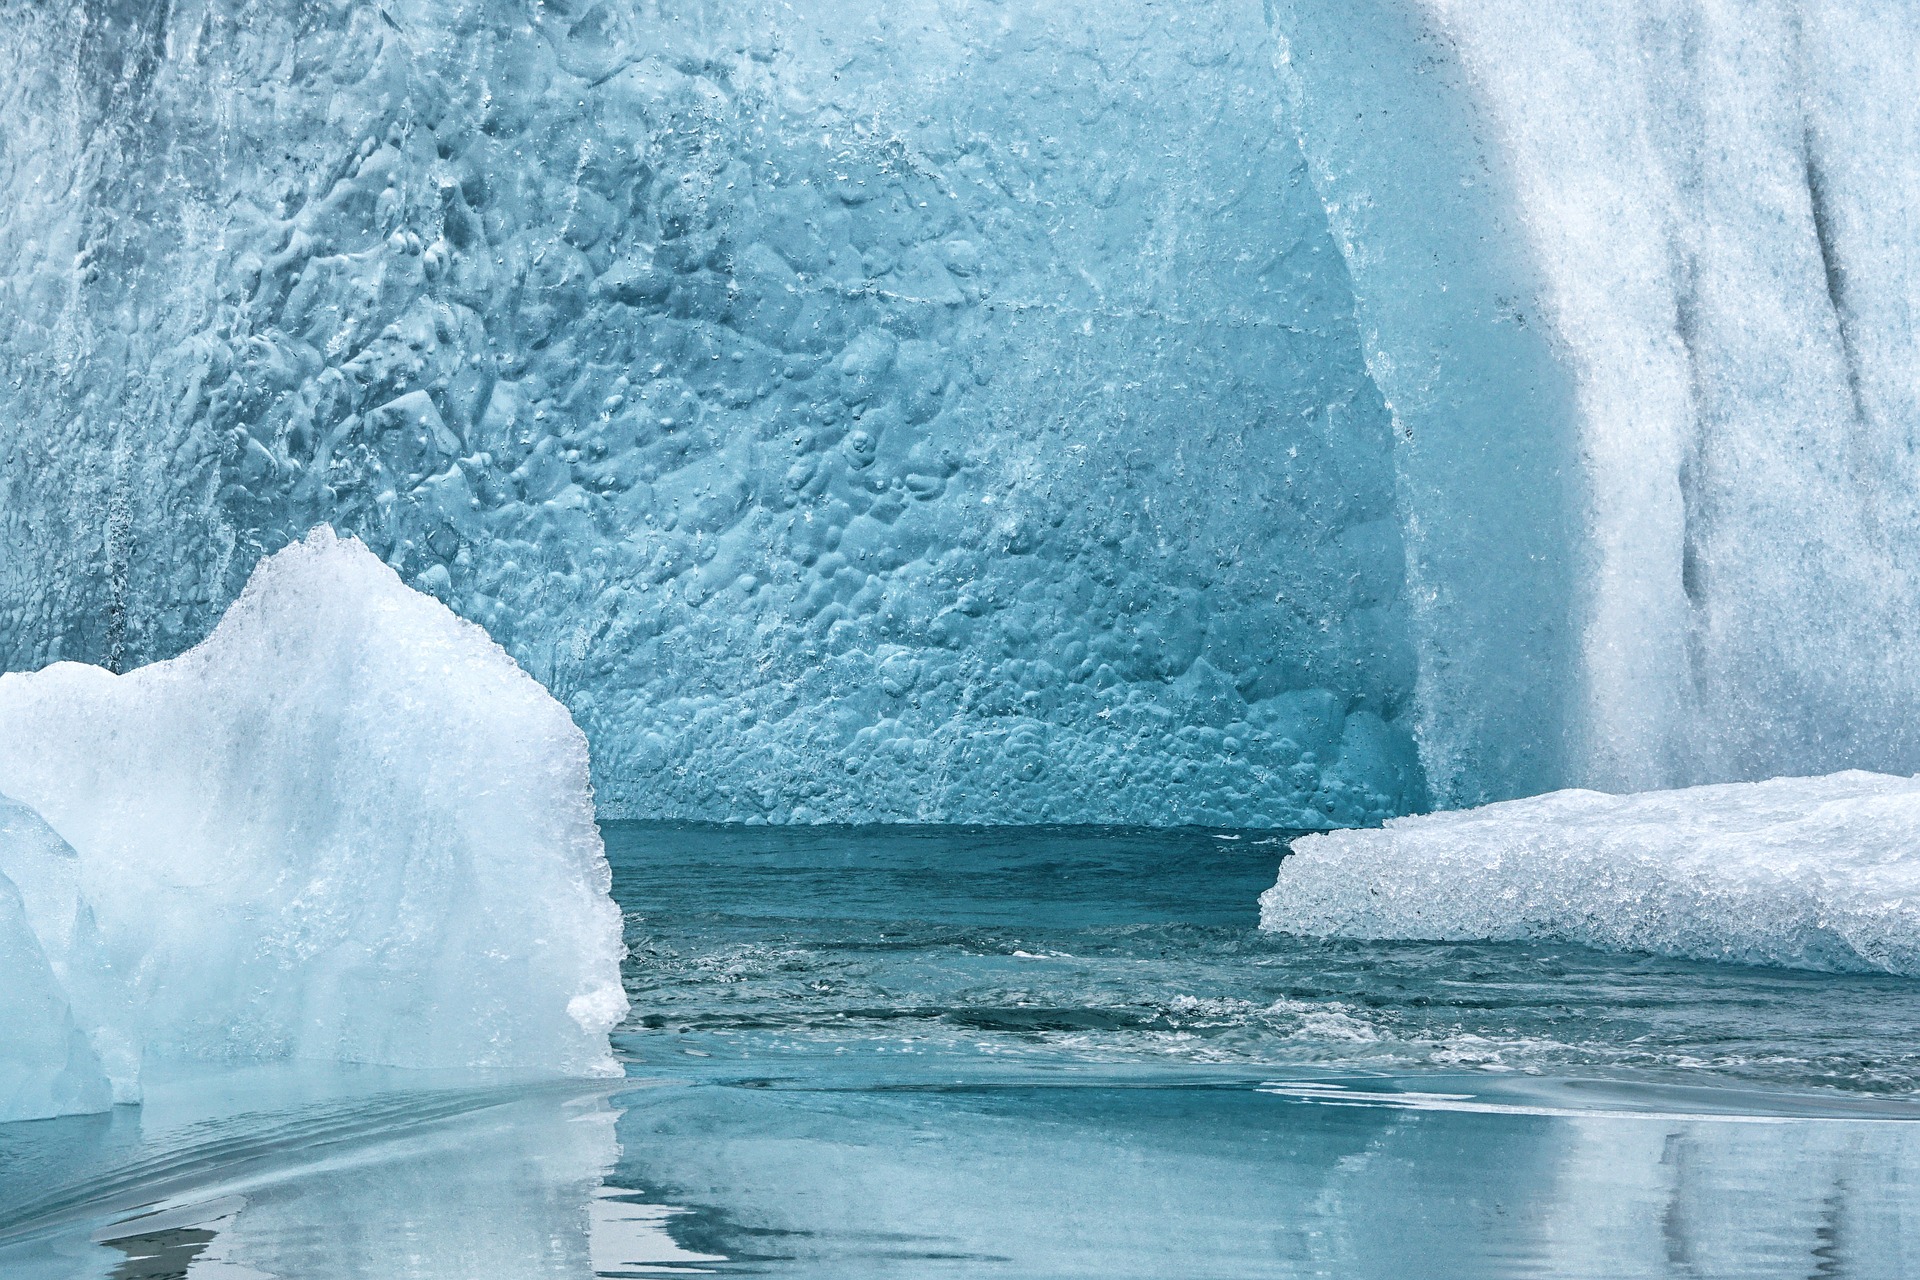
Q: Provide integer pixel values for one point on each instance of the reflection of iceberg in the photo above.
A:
(346, 827)
(1075, 1179)
(1733, 1199)
(629, 1236)
(1819, 873)
(503, 1192)
(381, 1186)
(171, 1240)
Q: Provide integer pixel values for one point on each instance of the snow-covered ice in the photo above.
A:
(346, 826)
(1816, 873)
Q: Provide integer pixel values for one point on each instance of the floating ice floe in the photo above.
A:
(1813, 873)
(346, 827)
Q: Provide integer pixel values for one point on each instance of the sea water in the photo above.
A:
(1037, 1052)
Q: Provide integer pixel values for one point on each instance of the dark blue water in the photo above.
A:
(932, 1052)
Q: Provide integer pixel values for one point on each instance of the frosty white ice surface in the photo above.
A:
(345, 826)
(1818, 873)
(1700, 215)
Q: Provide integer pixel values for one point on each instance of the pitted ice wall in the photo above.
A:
(851, 411)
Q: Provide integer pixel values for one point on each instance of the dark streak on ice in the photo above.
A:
(1686, 327)
(1834, 269)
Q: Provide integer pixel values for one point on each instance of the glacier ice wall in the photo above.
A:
(1728, 223)
(344, 827)
(1712, 210)
(1279, 413)
(1812, 873)
(850, 410)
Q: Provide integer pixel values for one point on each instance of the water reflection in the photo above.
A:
(923, 1172)
(1127, 1178)
(172, 1242)
(505, 1182)
(1037, 1056)
(630, 1237)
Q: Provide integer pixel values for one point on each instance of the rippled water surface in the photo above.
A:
(1056, 947)
(1038, 1053)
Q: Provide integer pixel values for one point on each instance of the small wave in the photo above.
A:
(1591, 1099)
(205, 1160)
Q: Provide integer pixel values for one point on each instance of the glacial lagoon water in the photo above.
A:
(1038, 1052)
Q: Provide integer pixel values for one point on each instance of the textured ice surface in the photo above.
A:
(1447, 296)
(1723, 199)
(345, 826)
(1818, 873)
(850, 410)
(1688, 277)
(1040, 410)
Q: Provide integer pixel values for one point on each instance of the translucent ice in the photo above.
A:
(1819, 873)
(47, 1066)
(345, 826)
(851, 409)
(1047, 410)
(42, 873)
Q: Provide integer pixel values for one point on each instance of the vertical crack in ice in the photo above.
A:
(1833, 268)
(1686, 327)
(1695, 463)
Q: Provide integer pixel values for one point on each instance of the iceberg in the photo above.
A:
(346, 826)
(1810, 873)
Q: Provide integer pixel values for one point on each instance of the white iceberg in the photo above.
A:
(1811, 873)
(346, 826)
